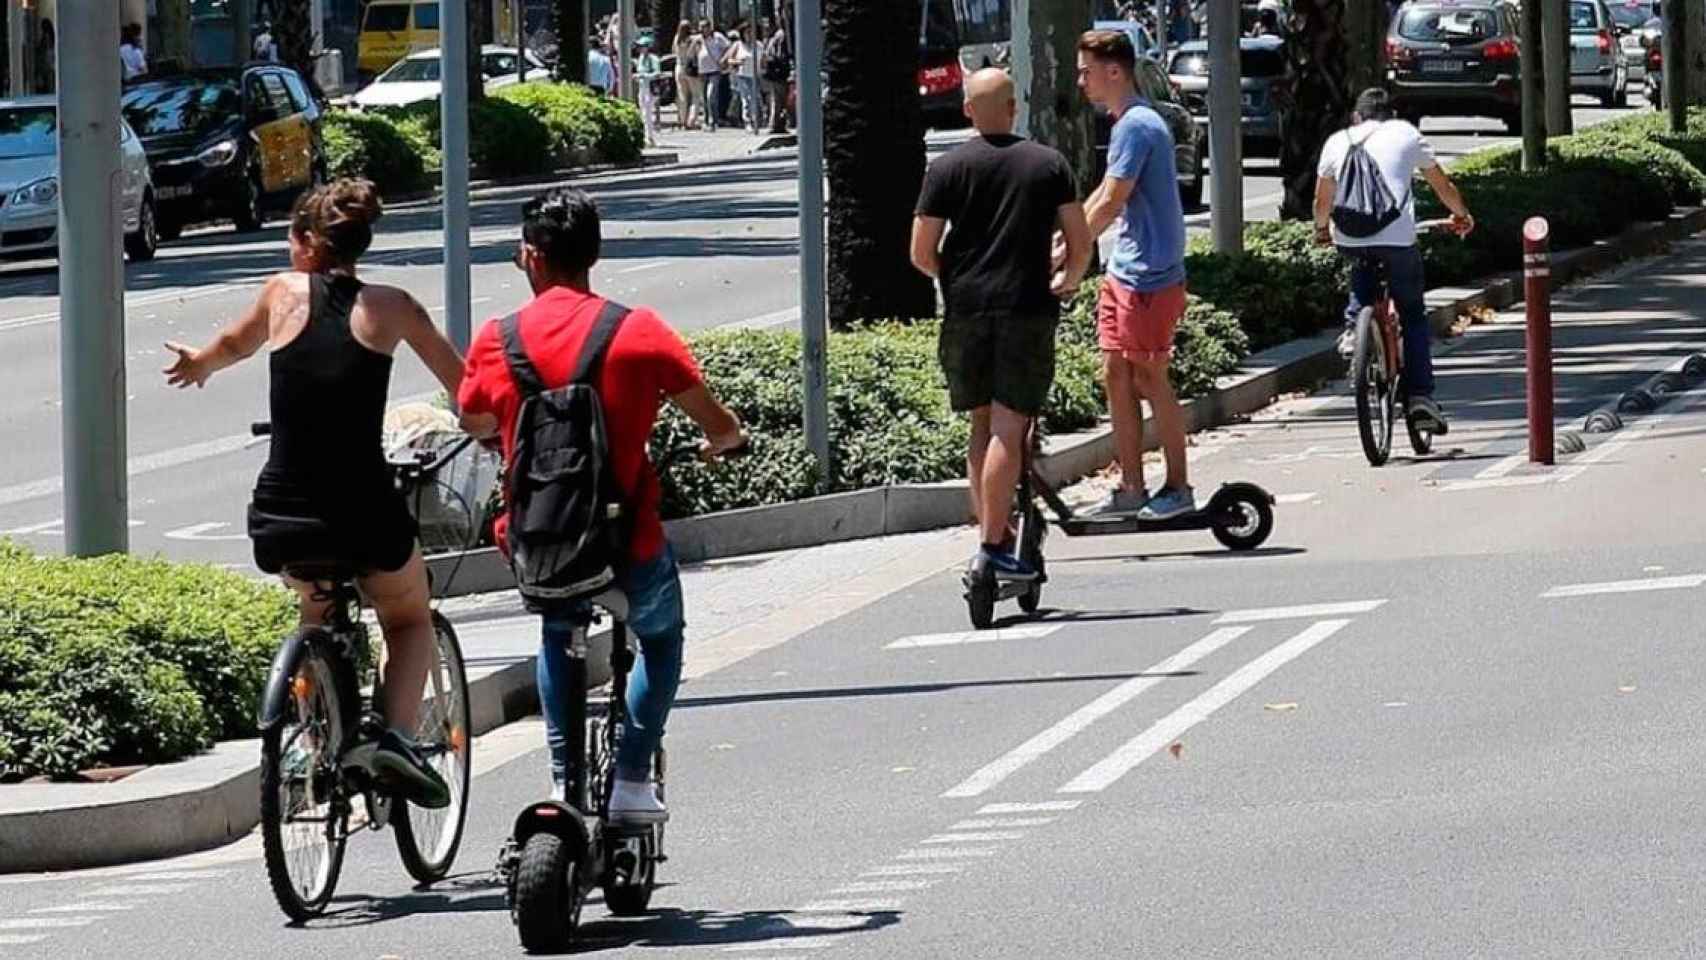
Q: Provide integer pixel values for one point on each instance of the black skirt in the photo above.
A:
(364, 528)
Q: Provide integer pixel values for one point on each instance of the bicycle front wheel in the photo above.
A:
(1374, 390)
(302, 814)
(427, 840)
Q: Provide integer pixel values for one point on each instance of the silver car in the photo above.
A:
(1597, 66)
(29, 183)
(1629, 20)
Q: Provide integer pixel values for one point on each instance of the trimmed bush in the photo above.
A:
(119, 660)
(584, 127)
(378, 148)
(1282, 286)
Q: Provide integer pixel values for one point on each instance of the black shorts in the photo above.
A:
(998, 359)
(360, 533)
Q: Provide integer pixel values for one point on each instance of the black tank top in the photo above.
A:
(328, 401)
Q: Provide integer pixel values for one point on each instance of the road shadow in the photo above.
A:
(458, 893)
(751, 929)
(947, 686)
(1257, 554)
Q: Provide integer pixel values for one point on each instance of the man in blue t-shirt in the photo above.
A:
(1143, 292)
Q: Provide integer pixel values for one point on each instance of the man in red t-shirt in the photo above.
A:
(647, 363)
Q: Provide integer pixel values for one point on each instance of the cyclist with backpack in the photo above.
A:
(572, 385)
(1364, 206)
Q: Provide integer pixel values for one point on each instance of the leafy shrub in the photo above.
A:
(1651, 178)
(1282, 286)
(378, 148)
(121, 660)
(584, 127)
(505, 139)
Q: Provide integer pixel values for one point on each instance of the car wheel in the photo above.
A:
(167, 229)
(140, 246)
(249, 215)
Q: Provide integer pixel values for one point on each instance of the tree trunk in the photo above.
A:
(294, 32)
(479, 34)
(1321, 87)
(173, 41)
(666, 15)
(571, 30)
(1695, 11)
(874, 153)
(1055, 112)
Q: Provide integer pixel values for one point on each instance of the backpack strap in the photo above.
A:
(521, 369)
(598, 343)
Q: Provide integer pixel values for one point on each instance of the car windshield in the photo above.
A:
(1448, 25)
(389, 17)
(422, 70)
(1631, 15)
(181, 108)
(1251, 63)
(1583, 19)
(27, 132)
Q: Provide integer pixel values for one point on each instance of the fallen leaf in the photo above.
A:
(1627, 689)
(1280, 707)
(1174, 750)
(902, 769)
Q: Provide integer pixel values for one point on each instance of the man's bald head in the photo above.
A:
(991, 103)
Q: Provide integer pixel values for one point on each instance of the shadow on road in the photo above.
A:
(839, 693)
(456, 894)
(753, 929)
(1256, 554)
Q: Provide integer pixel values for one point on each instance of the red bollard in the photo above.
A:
(1537, 294)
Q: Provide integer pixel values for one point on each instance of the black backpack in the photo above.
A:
(567, 531)
(1363, 204)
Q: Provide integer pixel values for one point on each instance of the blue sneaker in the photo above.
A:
(1169, 503)
(1009, 567)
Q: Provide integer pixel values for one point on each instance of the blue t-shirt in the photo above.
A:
(600, 73)
(1150, 253)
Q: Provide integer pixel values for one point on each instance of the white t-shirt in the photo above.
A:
(1400, 151)
(711, 50)
(135, 64)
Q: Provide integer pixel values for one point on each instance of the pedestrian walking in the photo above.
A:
(689, 85)
(778, 71)
(600, 72)
(739, 66)
(709, 49)
(1004, 196)
(130, 54)
(647, 71)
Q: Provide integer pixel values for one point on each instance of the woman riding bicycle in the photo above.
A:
(325, 498)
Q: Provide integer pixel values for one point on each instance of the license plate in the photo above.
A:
(172, 193)
(1442, 66)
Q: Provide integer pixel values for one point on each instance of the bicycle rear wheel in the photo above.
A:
(427, 840)
(302, 813)
(1374, 391)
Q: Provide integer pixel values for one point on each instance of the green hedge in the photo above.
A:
(395, 157)
(584, 127)
(120, 660)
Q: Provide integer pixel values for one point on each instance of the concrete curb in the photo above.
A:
(493, 185)
(210, 800)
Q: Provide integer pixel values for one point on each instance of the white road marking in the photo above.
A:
(181, 875)
(643, 267)
(784, 943)
(850, 906)
(1084, 716)
(990, 836)
(1497, 483)
(913, 870)
(139, 890)
(1146, 744)
(949, 853)
(204, 532)
(997, 823)
(1285, 499)
(1502, 467)
(86, 908)
(780, 318)
(884, 886)
(18, 940)
(973, 636)
(46, 923)
(1266, 614)
(1046, 806)
(1625, 586)
(52, 527)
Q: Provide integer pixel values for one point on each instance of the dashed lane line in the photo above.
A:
(1625, 586)
(972, 636)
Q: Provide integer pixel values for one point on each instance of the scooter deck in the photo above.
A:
(1110, 526)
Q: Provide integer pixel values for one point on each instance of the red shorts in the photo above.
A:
(1138, 325)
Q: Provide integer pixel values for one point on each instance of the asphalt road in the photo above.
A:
(1453, 708)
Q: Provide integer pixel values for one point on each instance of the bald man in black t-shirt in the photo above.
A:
(1005, 197)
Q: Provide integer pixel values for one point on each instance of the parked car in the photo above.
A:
(1630, 19)
(1261, 61)
(1596, 56)
(227, 144)
(941, 77)
(29, 183)
(393, 29)
(417, 77)
(1190, 141)
(1452, 58)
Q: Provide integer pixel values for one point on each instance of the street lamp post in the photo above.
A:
(814, 319)
(453, 50)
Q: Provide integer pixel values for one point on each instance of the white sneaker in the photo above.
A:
(636, 802)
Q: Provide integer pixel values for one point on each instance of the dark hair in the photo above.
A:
(1110, 46)
(1374, 104)
(562, 224)
(338, 217)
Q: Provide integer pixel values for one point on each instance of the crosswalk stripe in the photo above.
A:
(1035, 632)
(19, 939)
(949, 853)
(993, 823)
(45, 923)
(851, 906)
(1017, 758)
(884, 886)
(1305, 612)
(913, 870)
(1625, 586)
(1166, 730)
(86, 908)
(990, 836)
(1046, 806)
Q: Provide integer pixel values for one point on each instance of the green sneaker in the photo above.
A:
(397, 764)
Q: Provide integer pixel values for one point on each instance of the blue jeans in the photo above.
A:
(656, 620)
(1404, 284)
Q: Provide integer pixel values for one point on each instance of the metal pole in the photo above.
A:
(520, 9)
(1675, 54)
(1020, 65)
(625, 58)
(1537, 293)
(1555, 65)
(1535, 104)
(814, 319)
(1225, 127)
(1161, 30)
(453, 45)
(752, 64)
(91, 328)
(17, 41)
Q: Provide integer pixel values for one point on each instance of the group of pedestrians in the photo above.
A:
(715, 72)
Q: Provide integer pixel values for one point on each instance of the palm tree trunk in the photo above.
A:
(1058, 115)
(294, 32)
(571, 29)
(874, 152)
(173, 40)
(479, 34)
(1331, 55)
(666, 14)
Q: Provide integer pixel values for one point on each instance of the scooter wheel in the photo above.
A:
(980, 602)
(632, 896)
(547, 902)
(1244, 522)
(1031, 599)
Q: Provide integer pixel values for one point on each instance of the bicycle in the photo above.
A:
(559, 852)
(1377, 368)
(318, 732)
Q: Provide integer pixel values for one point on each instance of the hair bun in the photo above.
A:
(353, 201)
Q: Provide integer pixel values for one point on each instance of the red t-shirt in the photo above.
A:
(648, 362)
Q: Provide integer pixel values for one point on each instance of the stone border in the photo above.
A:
(209, 800)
